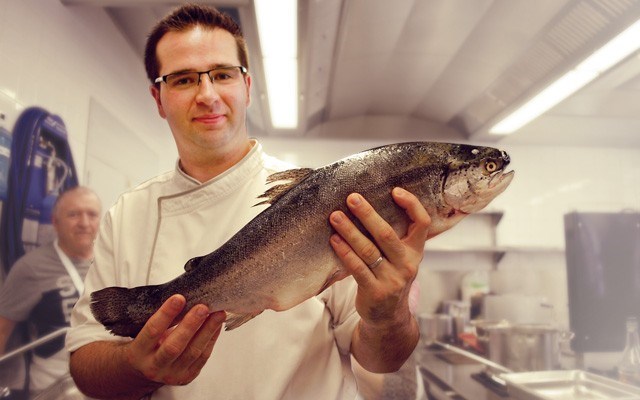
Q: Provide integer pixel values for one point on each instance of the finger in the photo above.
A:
(214, 322)
(420, 219)
(385, 237)
(176, 343)
(201, 340)
(352, 262)
(358, 242)
(159, 322)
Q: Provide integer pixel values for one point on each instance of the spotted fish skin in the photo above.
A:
(283, 257)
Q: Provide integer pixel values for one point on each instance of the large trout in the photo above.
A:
(283, 256)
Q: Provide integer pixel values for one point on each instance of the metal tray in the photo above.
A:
(566, 385)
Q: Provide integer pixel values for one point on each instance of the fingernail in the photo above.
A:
(336, 239)
(336, 217)
(176, 301)
(355, 199)
(220, 317)
(398, 192)
(202, 311)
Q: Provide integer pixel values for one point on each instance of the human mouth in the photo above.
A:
(209, 118)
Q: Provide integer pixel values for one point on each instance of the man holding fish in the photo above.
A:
(320, 288)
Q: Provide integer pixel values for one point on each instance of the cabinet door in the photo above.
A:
(603, 275)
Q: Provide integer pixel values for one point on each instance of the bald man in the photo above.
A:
(43, 285)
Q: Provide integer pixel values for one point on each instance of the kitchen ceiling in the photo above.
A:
(436, 69)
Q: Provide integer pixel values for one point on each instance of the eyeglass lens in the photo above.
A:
(219, 76)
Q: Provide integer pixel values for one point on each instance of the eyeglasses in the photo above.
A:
(188, 80)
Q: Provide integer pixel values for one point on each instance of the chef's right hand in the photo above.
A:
(175, 355)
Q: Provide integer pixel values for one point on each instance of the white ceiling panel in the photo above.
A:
(437, 69)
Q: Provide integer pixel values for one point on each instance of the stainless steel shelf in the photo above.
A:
(497, 252)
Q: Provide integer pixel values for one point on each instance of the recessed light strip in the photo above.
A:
(278, 30)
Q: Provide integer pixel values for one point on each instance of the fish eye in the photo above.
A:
(491, 166)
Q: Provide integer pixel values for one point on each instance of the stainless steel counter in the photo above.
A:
(447, 374)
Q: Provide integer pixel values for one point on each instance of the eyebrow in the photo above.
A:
(187, 70)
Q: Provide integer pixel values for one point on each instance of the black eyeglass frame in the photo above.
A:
(163, 78)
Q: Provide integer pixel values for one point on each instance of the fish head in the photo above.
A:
(476, 175)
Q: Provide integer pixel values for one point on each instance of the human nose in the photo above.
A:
(83, 219)
(206, 90)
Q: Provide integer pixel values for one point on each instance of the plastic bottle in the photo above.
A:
(474, 283)
(629, 366)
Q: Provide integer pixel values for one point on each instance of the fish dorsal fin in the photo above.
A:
(192, 263)
(292, 176)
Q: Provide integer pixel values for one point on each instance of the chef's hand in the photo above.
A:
(175, 355)
(383, 290)
(159, 355)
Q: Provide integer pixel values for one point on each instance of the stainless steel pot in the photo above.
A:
(460, 312)
(435, 327)
(526, 347)
(482, 327)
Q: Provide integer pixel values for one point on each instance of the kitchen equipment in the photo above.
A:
(629, 365)
(602, 277)
(460, 312)
(526, 347)
(63, 389)
(573, 384)
(481, 327)
(435, 327)
(474, 283)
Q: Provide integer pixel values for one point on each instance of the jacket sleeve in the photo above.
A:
(340, 299)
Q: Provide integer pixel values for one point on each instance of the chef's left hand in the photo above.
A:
(383, 291)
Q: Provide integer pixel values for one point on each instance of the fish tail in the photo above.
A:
(123, 311)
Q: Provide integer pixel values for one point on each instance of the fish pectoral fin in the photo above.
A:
(235, 320)
(292, 176)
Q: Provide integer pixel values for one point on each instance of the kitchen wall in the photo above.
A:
(66, 58)
(73, 61)
(529, 237)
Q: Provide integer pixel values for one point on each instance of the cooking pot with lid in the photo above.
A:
(526, 347)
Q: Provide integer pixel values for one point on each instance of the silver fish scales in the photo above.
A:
(283, 257)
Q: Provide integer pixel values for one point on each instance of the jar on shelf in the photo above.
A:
(629, 365)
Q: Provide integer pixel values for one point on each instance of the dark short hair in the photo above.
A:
(186, 17)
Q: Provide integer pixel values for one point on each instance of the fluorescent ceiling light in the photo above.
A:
(278, 30)
(593, 66)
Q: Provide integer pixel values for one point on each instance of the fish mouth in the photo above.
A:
(501, 178)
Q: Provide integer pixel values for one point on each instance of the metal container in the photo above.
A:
(435, 327)
(563, 385)
(63, 389)
(460, 312)
(526, 347)
(482, 327)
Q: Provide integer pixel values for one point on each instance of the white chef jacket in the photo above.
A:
(149, 234)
